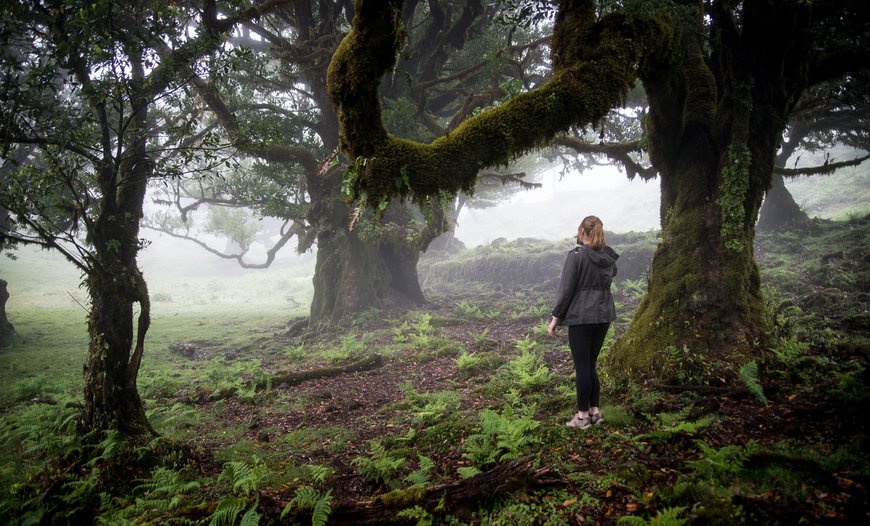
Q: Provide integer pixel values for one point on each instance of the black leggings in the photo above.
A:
(585, 342)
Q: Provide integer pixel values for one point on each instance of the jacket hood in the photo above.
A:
(606, 257)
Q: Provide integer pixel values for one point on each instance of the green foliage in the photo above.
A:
(351, 347)
(501, 436)
(243, 478)
(310, 498)
(671, 425)
(469, 363)
(418, 513)
(429, 408)
(228, 510)
(419, 333)
(732, 195)
(474, 312)
(635, 287)
(178, 416)
(420, 477)
(665, 517)
(164, 490)
(749, 377)
(380, 465)
(718, 466)
(528, 369)
(242, 378)
(550, 508)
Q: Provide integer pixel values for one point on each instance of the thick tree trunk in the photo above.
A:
(714, 126)
(353, 274)
(779, 211)
(702, 313)
(6, 328)
(111, 398)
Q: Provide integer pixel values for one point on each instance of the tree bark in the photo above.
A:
(115, 283)
(6, 328)
(715, 123)
(362, 268)
(780, 211)
(111, 397)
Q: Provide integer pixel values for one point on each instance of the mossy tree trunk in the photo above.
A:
(714, 127)
(115, 284)
(370, 265)
(779, 210)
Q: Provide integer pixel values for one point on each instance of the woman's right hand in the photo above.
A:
(551, 329)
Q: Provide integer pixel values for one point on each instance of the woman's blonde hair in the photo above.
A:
(594, 230)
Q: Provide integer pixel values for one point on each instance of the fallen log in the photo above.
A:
(368, 363)
(452, 497)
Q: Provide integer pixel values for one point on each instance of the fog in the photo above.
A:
(554, 211)
(181, 275)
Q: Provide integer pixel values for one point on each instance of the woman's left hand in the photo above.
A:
(551, 329)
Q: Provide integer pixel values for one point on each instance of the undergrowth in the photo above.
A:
(484, 386)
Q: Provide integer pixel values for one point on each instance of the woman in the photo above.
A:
(585, 304)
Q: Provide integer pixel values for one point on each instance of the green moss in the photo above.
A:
(732, 196)
(402, 498)
(581, 93)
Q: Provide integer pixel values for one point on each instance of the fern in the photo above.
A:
(309, 498)
(468, 361)
(380, 465)
(107, 448)
(673, 424)
(505, 436)
(165, 483)
(421, 476)
(718, 464)
(665, 517)
(251, 517)
(749, 376)
(242, 477)
(423, 517)
(528, 369)
(227, 510)
(318, 473)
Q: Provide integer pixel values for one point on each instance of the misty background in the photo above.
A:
(184, 277)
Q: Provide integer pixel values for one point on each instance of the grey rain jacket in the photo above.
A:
(584, 289)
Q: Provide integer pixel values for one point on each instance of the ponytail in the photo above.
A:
(594, 230)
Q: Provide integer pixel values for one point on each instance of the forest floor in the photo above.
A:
(454, 413)
(794, 450)
(629, 466)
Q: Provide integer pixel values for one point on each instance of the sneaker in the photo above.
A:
(578, 422)
(596, 419)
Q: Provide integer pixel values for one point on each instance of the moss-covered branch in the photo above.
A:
(608, 56)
